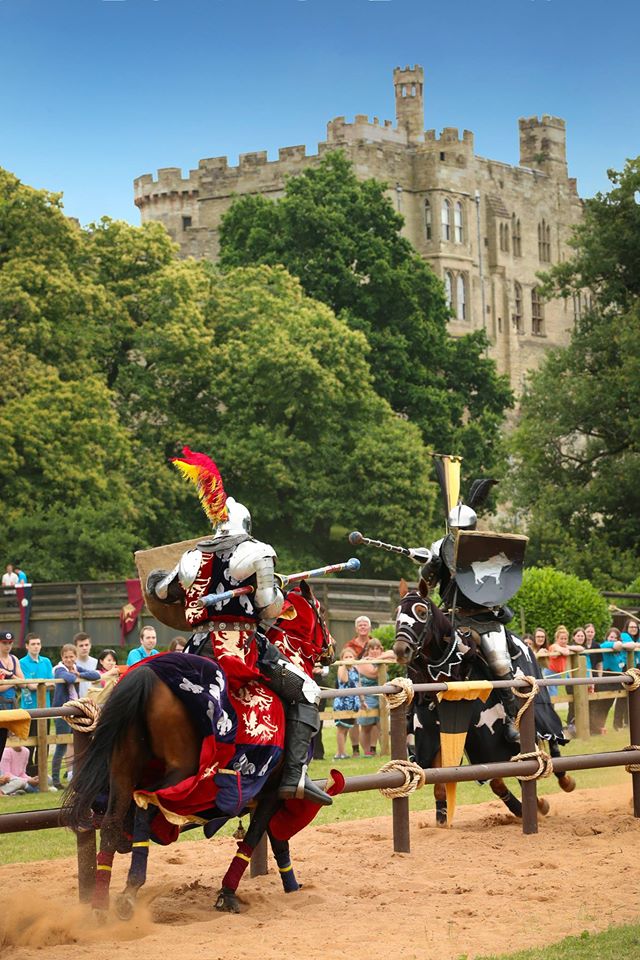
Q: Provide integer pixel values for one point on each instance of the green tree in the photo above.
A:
(341, 238)
(278, 390)
(577, 447)
(548, 598)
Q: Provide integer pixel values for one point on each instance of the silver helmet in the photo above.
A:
(230, 532)
(462, 517)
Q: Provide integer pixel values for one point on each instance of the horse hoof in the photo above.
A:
(441, 820)
(566, 783)
(227, 902)
(125, 905)
(100, 916)
(543, 806)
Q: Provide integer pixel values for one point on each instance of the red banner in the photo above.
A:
(131, 610)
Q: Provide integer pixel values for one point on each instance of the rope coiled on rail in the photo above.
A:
(545, 764)
(405, 695)
(528, 697)
(632, 767)
(414, 778)
(87, 722)
(633, 673)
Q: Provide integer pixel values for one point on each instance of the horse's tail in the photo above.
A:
(123, 713)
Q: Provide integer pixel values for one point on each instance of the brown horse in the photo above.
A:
(151, 744)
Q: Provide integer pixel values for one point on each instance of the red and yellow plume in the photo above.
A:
(202, 471)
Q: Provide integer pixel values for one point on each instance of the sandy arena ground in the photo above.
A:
(479, 888)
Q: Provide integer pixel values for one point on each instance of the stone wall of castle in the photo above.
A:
(486, 227)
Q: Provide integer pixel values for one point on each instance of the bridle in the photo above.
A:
(411, 627)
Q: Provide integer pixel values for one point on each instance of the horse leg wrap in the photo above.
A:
(104, 863)
(283, 859)
(138, 870)
(237, 867)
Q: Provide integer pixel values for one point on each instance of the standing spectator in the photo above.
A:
(614, 662)
(348, 677)
(9, 577)
(370, 726)
(358, 645)
(146, 649)
(22, 577)
(594, 660)
(177, 645)
(10, 669)
(577, 645)
(541, 650)
(69, 671)
(34, 667)
(631, 634)
(108, 665)
(82, 644)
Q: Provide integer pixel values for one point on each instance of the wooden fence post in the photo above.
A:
(529, 787)
(400, 805)
(383, 712)
(581, 700)
(42, 727)
(634, 738)
(85, 839)
(259, 865)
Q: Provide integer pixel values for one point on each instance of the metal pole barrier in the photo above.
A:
(85, 839)
(634, 734)
(529, 787)
(581, 701)
(42, 746)
(259, 866)
(400, 805)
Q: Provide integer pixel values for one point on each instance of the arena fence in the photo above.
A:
(398, 777)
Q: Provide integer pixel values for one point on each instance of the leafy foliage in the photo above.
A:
(341, 238)
(577, 448)
(548, 598)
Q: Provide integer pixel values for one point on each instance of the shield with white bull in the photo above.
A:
(488, 566)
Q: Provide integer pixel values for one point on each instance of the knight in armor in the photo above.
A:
(486, 619)
(228, 559)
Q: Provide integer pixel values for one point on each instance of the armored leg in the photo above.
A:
(301, 694)
(496, 653)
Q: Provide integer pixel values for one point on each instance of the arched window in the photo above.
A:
(504, 237)
(516, 236)
(448, 289)
(457, 222)
(544, 241)
(461, 298)
(446, 220)
(537, 313)
(518, 319)
(427, 220)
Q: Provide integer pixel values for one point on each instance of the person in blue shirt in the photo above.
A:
(34, 667)
(147, 646)
(631, 634)
(22, 577)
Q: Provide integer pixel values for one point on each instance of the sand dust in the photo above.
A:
(479, 888)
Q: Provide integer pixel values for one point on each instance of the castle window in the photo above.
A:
(518, 320)
(537, 314)
(516, 236)
(404, 90)
(413, 89)
(446, 220)
(544, 242)
(186, 223)
(457, 222)
(504, 237)
(442, 155)
(448, 289)
(461, 298)
(427, 220)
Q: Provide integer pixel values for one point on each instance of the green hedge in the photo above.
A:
(548, 598)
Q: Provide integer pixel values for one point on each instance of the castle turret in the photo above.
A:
(543, 145)
(409, 85)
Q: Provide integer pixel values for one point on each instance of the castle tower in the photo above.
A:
(409, 85)
(543, 145)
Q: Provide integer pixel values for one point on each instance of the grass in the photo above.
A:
(613, 944)
(55, 843)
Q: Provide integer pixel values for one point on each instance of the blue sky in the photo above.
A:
(97, 92)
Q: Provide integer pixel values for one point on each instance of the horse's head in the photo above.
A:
(304, 623)
(414, 618)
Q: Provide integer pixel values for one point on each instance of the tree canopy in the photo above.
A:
(341, 237)
(577, 448)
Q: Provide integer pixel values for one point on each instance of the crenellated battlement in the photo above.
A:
(362, 128)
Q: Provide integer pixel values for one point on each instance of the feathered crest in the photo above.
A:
(202, 471)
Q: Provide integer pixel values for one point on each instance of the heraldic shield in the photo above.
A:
(488, 566)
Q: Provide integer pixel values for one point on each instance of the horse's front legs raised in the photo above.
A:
(227, 900)
(137, 876)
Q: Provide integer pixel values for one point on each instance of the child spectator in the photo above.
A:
(348, 677)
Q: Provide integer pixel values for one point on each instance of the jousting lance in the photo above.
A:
(417, 554)
(284, 580)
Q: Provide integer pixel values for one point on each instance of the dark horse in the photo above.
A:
(426, 642)
(189, 749)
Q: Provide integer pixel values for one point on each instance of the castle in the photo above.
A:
(486, 227)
